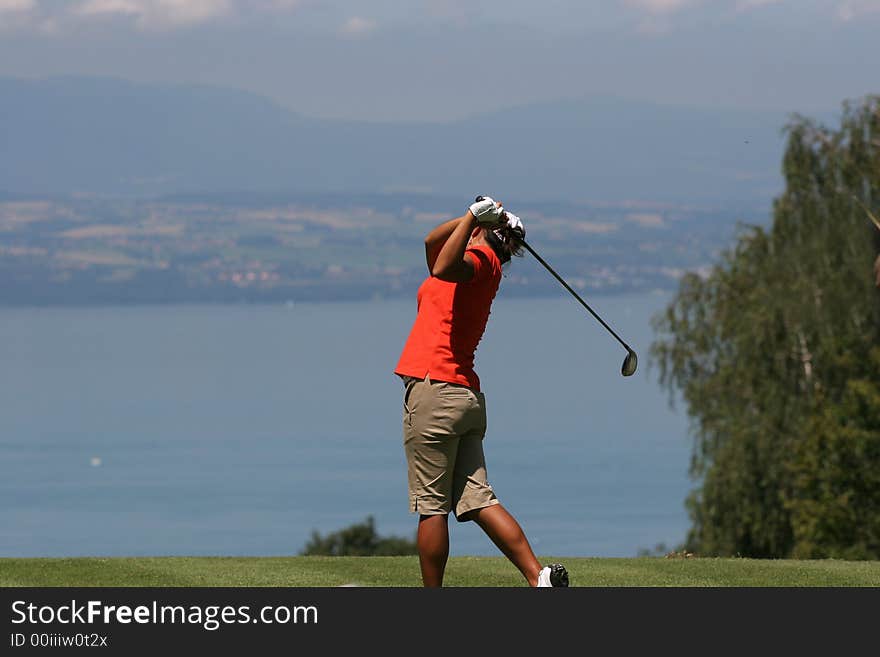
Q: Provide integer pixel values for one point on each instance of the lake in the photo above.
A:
(239, 430)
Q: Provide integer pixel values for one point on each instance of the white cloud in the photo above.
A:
(852, 9)
(283, 4)
(97, 7)
(747, 5)
(657, 14)
(661, 16)
(356, 26)
(660, 6)
(345, 17)
(666, 7)
(15, 13)
(16, 5)
(845, 10)
(157, 13)
(53, 16)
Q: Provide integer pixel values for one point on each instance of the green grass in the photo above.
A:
(404, 571)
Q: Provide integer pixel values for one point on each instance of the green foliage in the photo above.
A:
(770, 353)
(834, 476)
(358, 540)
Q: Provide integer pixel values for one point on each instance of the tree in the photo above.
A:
(834, 476)
(358, 540)
(770, 353)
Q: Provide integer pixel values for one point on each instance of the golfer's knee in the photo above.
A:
(491, 508)
(433, 526)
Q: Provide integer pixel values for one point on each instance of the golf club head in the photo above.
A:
(629, 363)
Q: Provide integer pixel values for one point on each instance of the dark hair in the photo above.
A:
(504, 240)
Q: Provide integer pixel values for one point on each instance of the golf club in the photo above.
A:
(873, 219)
(631, 360)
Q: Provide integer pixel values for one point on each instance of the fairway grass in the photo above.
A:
(404, 572)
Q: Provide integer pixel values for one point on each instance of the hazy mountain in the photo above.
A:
(107, 136)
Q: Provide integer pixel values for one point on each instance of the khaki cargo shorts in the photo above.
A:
(443, 429)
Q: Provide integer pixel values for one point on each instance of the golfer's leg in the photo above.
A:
(433, 543)
(475, 500)
(431, 464)
(506, 533)
(431, 445)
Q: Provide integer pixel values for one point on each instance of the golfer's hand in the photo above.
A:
(515, 224)
(487, 211)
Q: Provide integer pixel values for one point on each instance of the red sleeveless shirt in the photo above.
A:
(450, 322)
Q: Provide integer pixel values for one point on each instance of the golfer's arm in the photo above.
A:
(450, 263)
(437, 238)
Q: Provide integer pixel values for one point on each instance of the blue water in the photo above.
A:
(237, 430)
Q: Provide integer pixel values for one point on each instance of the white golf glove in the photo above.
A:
(487, 212)
(515, 224)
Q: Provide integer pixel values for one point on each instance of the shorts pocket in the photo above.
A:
(456, 394)
(410, 397)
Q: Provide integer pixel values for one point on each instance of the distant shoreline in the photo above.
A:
(512, 293)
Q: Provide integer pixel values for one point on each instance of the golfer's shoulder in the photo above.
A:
(485, 261)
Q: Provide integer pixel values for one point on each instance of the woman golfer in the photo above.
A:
(444, 411)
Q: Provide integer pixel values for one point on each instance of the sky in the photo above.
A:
(441, 60)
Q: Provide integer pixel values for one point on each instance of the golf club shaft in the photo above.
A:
(575, 294)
